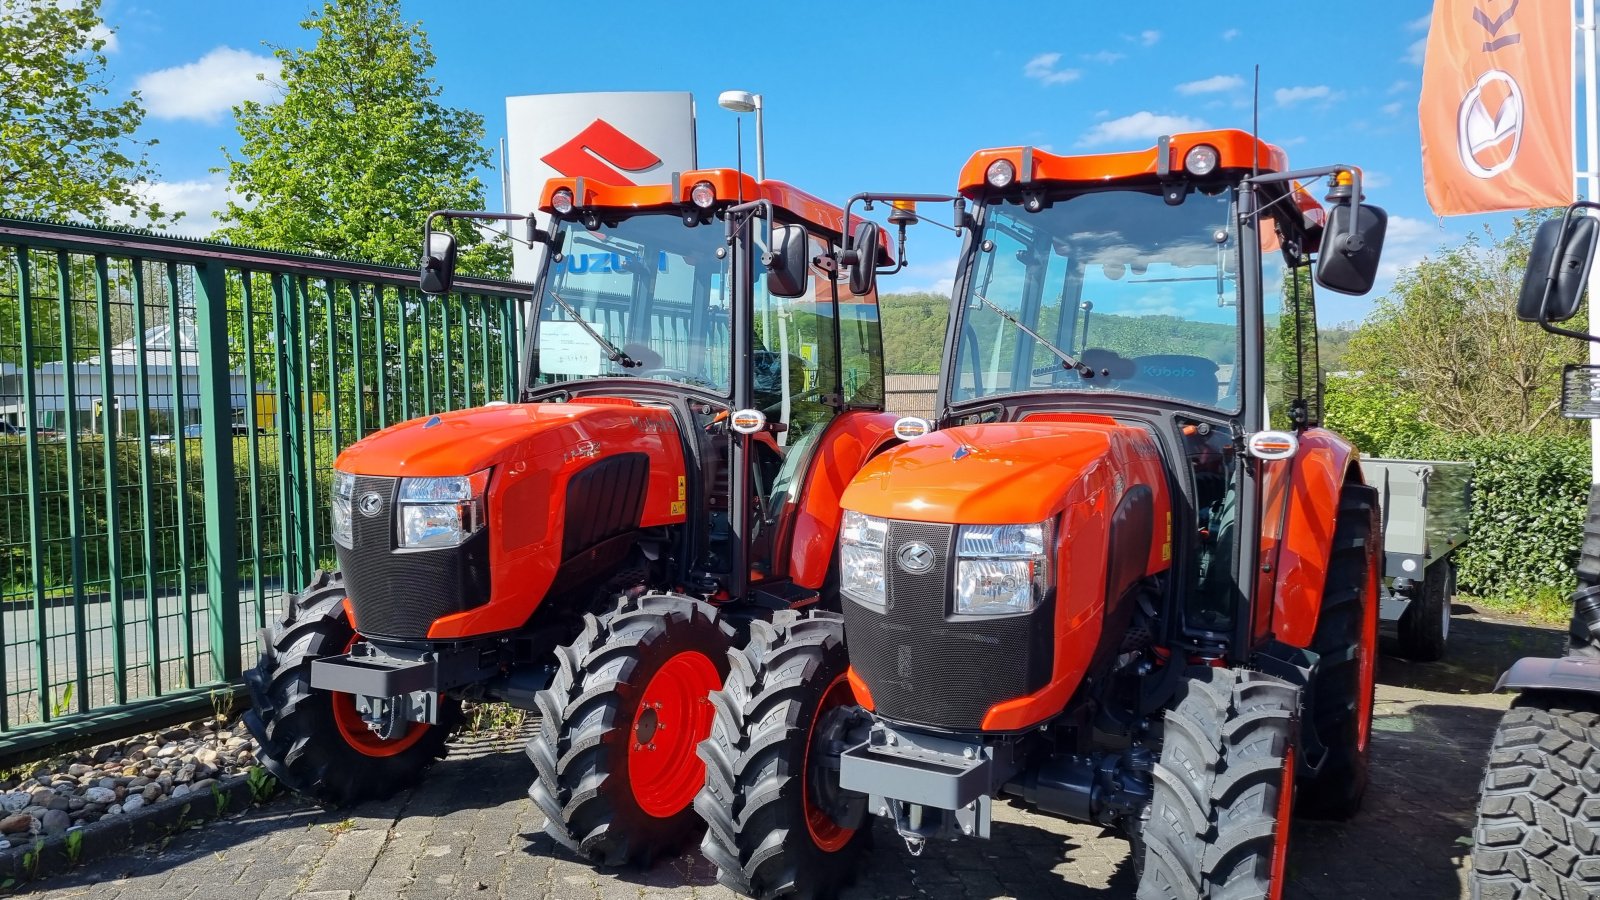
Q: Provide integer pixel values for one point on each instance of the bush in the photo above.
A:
(1529, 499)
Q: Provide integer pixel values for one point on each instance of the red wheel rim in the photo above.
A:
(827, 834)
(673, 717)
(1369, 657)
(1280, 838)
(363, 739)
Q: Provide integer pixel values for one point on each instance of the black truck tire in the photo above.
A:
(1341, 696)
(1538, 833)
(766, 800)
(1218, 822)
(619, 725)
(1424, 628)
(312, 740)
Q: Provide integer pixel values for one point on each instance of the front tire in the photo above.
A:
(1538, 833)
(1218, 824)
(777, 822)
(314, 740)
(618, 727)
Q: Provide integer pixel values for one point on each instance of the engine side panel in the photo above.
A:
(849, 442)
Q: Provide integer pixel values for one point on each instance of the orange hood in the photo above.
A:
(463, 442)
(995, 474)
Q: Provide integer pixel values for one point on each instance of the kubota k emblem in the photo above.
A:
(1488, 141)
(587, 155)
(370, 504)
(915, 557)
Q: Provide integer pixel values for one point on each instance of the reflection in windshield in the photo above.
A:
(649, 285)
(1144, 293)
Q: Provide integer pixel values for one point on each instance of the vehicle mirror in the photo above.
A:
(1352, 245)
(1572, 248)
(864, 273)
(788, 269)
(438, 263)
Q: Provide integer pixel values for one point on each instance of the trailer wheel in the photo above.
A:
(1424, 627)
(618, 728)
(1346, 640)
(314, 741)
(1538, 833)
(778, 824)
(1218, 822)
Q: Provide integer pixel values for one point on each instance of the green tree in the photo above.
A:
(359, 148)
(65, 152)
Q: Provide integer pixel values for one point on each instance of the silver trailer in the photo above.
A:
(1426, 505)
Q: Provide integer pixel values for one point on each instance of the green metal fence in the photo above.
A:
(169, 415)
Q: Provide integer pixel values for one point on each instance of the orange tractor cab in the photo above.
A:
(695, 397)
(1123, 576)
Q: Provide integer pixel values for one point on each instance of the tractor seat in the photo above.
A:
(1179, 375)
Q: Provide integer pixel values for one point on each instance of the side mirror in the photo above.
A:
(438, 263)
(788, 269)
(1352, 245)
(1547, 299)
(864, 273)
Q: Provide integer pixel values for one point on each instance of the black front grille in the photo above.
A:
(399, 593)
(925, 669)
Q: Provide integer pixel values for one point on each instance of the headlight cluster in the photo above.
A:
(1000, 569)
(441, 512)
(434, 512)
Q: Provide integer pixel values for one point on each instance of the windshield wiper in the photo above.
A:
(1067, 362)
(613, 352)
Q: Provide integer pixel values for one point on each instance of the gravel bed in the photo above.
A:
(67, 792)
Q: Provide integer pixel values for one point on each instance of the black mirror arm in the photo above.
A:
(448, 214)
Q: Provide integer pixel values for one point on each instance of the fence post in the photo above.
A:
(221, 489)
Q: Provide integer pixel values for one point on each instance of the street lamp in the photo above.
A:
(743, 102)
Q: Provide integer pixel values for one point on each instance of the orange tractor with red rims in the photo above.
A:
(696, 395)
(1123, 576)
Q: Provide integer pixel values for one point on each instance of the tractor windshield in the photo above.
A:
(653, 288)
(1142, 292)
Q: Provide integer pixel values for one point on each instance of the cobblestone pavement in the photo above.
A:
(469, 830)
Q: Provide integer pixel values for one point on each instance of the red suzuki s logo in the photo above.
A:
(587, 155)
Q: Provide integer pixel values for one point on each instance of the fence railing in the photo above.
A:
(169, 414)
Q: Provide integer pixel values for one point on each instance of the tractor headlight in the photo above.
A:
(344, 485)
(1002, 569)
(861, 568)
(441, 512)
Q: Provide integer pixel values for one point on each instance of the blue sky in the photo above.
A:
(867, 96)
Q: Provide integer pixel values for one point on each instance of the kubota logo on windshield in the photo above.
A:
(596, 149)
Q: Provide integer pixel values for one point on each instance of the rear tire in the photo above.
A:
(1424, 627)
(617, 774)
(767, 797)
(308, 745)
(1346, 642)
(1217, 827)
(1538, 833)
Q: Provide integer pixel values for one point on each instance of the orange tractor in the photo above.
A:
(695, 397)
(1123, 577)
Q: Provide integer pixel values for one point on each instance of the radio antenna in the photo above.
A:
(1255, 126)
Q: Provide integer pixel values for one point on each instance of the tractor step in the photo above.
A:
(938, 780)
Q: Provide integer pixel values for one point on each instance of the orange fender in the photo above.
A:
(851, 439)
(1300, 506)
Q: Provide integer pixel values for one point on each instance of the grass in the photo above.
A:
(1542, 604)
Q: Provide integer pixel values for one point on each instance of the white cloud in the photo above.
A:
(201, 201)
(937, 277)
(1407, 242)
(1292, 95)
(1420, 24)
(1149, 37)
(1230, 34)
(102, 33)
(1399, 86)
(1042, 68)
(208, 87)
(1211, 85)
(1104, 57)
(1140, 126)
(1374, 180)
(1415, 52)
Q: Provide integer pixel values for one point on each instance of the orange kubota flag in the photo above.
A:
(1496, 106)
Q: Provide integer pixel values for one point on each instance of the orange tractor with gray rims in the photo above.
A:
(1123, 576)
(697, 391)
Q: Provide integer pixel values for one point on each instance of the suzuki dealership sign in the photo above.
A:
(634, 137)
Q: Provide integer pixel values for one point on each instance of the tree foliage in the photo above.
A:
(66, 152)
(359, 148)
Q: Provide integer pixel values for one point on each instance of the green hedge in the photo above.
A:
(1528, 504)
